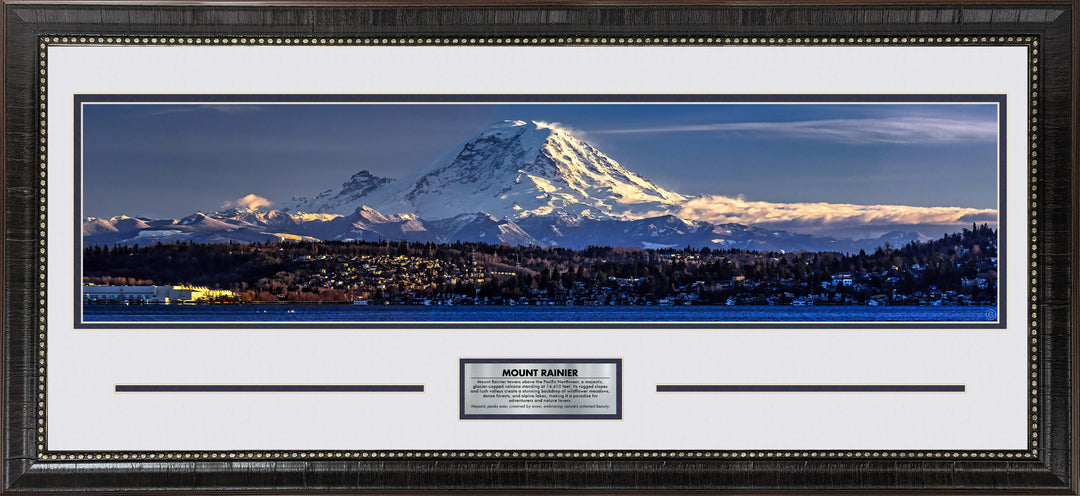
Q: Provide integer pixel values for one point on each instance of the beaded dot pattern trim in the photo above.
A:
(44, 454)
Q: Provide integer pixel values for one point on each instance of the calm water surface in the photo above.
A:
(405, 313)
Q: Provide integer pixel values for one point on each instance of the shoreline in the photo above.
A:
(433, 304)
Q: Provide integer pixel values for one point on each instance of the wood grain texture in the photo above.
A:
(1052, 473)
(1056, 150)
(19, 241)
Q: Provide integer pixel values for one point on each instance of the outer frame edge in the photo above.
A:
(19, 59)
(39, 472)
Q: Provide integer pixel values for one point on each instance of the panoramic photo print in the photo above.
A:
(459, 212)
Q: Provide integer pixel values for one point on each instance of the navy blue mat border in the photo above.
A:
(527, 98)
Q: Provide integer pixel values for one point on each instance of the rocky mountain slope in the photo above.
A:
(517, 182)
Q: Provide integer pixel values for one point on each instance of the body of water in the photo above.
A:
(484, 313)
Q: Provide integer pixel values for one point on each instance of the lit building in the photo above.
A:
(151, 294)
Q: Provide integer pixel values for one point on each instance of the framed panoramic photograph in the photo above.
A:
(331, 248)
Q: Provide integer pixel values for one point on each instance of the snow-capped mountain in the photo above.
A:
(367, 224)
(513, 169)
(343, 201)
(198, 227)
(669, 231)
(517, 182)
(480, 227)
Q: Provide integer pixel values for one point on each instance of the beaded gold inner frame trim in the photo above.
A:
(1031, 42)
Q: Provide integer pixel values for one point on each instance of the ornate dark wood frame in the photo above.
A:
(1051, 470)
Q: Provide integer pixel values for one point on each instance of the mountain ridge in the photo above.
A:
(517, 182)
(367, 224)
(513, 169)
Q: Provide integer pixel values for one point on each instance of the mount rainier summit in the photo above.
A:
(514, 182)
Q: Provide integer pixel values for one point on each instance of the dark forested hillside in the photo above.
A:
(957, 268)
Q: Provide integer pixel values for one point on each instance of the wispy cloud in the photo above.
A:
(815, 216)
(182, 109)
(248, 202)
(164, 111)
(903, 130)
(232, 108)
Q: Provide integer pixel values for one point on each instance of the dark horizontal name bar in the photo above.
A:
(269, 388)
(810, 388)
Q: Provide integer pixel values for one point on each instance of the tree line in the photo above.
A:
(299, 270)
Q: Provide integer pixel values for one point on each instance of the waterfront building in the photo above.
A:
(151, 294)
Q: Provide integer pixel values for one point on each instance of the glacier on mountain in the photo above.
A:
(517, 182)
(511, 169)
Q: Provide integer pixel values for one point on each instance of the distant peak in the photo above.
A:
(362, 183)
(193, 218)
(363, 174)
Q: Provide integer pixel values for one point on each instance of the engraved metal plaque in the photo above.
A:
(541, 389)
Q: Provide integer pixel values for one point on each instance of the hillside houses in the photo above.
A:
(958, 269)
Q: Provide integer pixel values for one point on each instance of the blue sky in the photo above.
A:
(171, 160)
